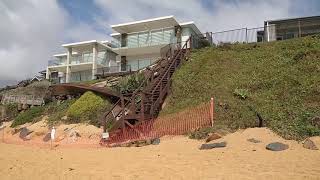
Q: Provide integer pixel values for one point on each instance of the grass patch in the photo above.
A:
(279, 80)
(29, 115)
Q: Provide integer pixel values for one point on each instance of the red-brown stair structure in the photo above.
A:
(145, 103)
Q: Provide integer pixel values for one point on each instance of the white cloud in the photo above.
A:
(31, 32)
(218, 16)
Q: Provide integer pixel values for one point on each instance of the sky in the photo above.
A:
(31, 31)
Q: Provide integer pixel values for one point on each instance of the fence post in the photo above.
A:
(212, 110)
(246, 34)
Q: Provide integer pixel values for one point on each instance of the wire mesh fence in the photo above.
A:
(176, 124)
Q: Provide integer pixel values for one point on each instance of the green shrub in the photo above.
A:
(57, 111)
(86, 108)
(28, 116)
(11, 110)
(129, 84)
(203, 43)
(242, 93)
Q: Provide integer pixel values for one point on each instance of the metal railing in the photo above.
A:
(273, 31)
(113, 69)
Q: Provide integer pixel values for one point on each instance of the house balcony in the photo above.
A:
(56, 62)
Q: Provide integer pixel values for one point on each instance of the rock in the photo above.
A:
(213, 145)
(25, 106)
(140, 143)
(19, 107)
(73, 135)
(155, 141)
(71, 169)
(148, 141)
(213, 136)
(24, 132)
(28, 137)
(64, 118)
(309, 144)
(277, 146)
(254, 140)
(47, 137)
(69, 97)
(15, 131)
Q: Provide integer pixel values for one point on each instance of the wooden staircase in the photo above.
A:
(146, 102)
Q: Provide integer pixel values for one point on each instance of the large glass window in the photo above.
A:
(132, 40)
(144, 63)
(134, 64)
(81, 76)
(87, 57)
(153, 37)
(144, 39)
(156, 37)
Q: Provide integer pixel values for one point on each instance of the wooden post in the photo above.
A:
(212, 110)
(299, 25)
(104, 124)
(142, 106)
(161, 92)
(123, 114)
(123, 110)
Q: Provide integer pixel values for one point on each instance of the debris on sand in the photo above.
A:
(253, 140)
(309, 144)
(213, 145)
(213, 136)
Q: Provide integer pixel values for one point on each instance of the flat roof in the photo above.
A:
(295, 18)
(79, 43)
(85, 43)
(144, 25)
(191, 25)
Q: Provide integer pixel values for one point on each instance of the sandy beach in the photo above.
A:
(175, 158)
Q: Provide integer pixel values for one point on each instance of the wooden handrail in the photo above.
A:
(171, 59)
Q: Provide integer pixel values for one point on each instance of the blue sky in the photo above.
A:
(33, 30)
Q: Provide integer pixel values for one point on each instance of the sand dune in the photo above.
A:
(175, 158)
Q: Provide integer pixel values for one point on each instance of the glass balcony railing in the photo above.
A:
(144, 39)
(56, 63)
(81, 60)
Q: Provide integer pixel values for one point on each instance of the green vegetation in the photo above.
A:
(29, 115)
(129, 84)
(87, 108)
(57, 111)
(277, 80)
(10, 110)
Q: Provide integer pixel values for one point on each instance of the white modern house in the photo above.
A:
(282, 29)
(134, 46)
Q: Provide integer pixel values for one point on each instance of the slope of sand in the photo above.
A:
(175, 158)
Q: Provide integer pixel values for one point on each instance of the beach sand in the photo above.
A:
(174, 158)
